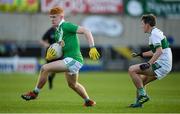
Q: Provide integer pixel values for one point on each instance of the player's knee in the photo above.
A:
(131, 70)
(44, 68)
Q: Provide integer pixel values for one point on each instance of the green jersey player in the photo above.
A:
(157, 67)
(66, 36)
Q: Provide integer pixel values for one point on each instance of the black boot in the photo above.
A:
(50, 80)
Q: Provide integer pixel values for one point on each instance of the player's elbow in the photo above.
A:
(84, 30)
(87, 31)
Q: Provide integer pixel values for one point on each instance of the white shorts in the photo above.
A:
(73, 65)
(163, 68)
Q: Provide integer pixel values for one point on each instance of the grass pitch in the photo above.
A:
(113, 92)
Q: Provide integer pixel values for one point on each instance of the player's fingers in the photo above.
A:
(98, 53)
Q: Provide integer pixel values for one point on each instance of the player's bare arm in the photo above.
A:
(156, 55)
(93, 53)
(147, 54)
(88, 35)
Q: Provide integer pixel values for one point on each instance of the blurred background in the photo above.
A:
(115, 25)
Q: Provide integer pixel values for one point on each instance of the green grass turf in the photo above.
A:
(113, 92)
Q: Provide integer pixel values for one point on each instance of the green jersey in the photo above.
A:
(66, 32)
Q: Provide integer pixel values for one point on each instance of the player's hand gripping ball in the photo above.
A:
(54, 51)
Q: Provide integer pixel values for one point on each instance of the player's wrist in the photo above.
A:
(92, 46)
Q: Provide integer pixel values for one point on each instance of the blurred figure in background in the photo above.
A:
(170, 40)
(157, 67)
(66, 36)
(48, 39)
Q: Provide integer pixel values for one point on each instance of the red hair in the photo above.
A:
(56, 10)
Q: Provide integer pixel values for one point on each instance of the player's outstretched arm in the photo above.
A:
(142, 54)
(93, 53)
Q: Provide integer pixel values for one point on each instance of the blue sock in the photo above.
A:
(141, 91)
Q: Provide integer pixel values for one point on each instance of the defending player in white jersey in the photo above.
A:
(157, 67)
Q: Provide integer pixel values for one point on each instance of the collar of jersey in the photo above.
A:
(61, 23)
(152, 29)
(57, 28)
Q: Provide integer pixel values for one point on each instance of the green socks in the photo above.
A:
(141, 91)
